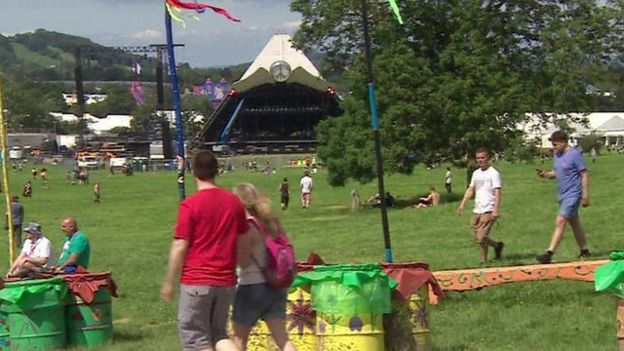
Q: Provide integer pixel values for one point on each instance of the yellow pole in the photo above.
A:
(5, 177)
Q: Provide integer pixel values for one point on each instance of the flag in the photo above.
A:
(395, 9)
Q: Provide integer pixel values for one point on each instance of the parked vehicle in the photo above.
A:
(15, 153)
(90, 162)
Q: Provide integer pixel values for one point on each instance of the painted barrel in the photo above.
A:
(619, 312)
(259, 337)
(300, 322)
(340, 333)
(4, 333)
(36, 318)
(91, 324)
(407, 326)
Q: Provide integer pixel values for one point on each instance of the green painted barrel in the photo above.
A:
(4, 333)
(91, 324)
(35, 315)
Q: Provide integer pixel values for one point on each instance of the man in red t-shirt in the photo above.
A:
(209, 236)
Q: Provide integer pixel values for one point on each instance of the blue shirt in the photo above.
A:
(568, 168)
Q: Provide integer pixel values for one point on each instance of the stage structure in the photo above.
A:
(274, 107)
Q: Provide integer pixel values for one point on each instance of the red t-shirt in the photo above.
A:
(211, 221)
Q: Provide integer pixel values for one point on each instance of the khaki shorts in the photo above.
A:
(481, 224)
(203, 315)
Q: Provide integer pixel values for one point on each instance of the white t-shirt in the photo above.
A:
(306, 185)
(448, 177)
(484, 183)
(42, 247)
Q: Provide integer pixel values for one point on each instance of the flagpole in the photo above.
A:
(5, 177)
(176, 106)
(372, 100)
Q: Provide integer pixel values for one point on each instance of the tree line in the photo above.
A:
(459, 74)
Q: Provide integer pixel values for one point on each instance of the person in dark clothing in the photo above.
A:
(17, 216)
(284, 194)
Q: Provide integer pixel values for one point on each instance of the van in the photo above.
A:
(15, 153)
(90, 162)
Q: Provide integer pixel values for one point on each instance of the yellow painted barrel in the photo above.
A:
(300, 322)
(407, 327)
(259, 337)
(340, 333)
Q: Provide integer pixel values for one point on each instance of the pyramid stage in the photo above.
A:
(479, 278)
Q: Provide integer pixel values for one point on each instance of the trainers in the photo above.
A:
(584, 253)
(498, 250)
(546, 257)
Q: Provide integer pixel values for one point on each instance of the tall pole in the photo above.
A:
(160, 103)
(176, 105)
(79, 93)
(372, 100)
(5, 177)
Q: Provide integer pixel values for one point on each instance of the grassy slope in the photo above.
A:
(130, 234)
(23, 53)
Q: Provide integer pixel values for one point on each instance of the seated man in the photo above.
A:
(432, 199)
(37, 254)
(76, 249)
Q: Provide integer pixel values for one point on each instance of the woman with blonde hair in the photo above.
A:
(255, 298)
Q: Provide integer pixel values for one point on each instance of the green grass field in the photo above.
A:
(130, 233)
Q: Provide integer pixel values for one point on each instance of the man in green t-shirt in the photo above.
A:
(76, 249)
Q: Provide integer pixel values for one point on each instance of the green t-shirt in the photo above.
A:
(76, 244)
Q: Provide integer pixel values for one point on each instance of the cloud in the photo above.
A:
(147, 34)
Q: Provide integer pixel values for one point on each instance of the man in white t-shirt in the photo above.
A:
(485, 185)
(37, 253)
(306, 189)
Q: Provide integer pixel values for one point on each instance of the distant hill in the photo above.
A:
(49, 56)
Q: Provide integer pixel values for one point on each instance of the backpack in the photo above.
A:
(281, 267)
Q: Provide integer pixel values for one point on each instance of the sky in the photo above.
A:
(211, 41)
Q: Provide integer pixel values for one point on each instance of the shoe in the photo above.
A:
(544, 258)
(498, 250)
(584, 253)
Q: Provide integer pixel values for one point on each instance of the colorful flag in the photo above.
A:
(395, 9)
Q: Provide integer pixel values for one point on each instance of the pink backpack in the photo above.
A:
(281, 267)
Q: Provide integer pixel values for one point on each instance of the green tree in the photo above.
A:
(457, 75)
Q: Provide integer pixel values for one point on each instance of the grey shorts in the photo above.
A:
(203, 315)
(258, 301)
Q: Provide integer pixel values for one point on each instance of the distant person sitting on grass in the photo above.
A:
(375, 200)
(431, 200)
(37, 254)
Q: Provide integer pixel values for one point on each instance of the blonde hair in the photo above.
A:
(259, 206)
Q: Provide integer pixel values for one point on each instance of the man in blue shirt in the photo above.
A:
(573, 188)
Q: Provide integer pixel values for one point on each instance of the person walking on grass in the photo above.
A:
(448, 180)
(573, 188)
(306, 190)
(485, 185)
(210, 236)
(96, 192)
(255, 298)
(284, 194)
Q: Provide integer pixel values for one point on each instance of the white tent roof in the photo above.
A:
(279, 48)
